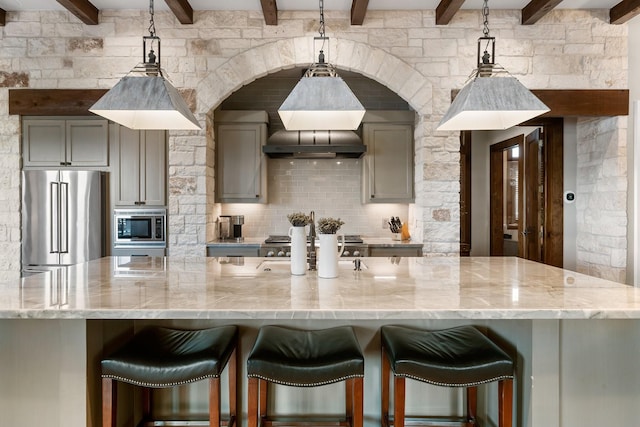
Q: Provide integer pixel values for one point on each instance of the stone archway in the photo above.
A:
(369, 61)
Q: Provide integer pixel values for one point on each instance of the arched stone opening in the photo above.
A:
(371, 62)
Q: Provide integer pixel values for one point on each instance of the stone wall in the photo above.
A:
(222, 51)
(601, 198)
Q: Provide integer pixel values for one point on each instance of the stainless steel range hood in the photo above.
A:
(314, 144)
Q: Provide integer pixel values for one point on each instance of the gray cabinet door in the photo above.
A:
(86, 143)
(388, 164)
(70, 143)
(240, 164)
(139, 160)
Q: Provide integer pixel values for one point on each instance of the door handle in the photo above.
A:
(54, 214)
(64, 217)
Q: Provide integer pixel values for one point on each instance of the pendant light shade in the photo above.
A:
(321, 100)
(321, 103)
(487, 103)
(492, 98)
(145, 99)
(148, 102)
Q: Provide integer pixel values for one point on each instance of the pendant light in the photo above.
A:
(321, 100)
(144, 98)
(492, 98)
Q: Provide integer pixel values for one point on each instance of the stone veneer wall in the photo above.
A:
(601, 198)
(224, 50)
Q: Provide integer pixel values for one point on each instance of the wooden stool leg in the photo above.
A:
(109, 401)
(398, 401)
(348, 391)
(252, 405)
(232, 370)
(358, 401)
(505, 403)
(472, 404)
(263, 398)
(214, 402)
(146, 403)
(384, 390)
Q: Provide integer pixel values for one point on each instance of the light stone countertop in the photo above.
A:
(256, 288)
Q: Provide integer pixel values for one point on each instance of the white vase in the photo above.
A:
(298, 250)
(328, 255)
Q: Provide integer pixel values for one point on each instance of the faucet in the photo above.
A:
(312, 242)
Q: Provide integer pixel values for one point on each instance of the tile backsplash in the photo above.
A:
(329, 187)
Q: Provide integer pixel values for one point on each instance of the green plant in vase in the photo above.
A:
(299, 219)
(329, 225)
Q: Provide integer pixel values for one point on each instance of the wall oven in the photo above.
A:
(139, 231)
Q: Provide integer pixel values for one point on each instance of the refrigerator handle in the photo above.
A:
(64, 217)
(54, 237)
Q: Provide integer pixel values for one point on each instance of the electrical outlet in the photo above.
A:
(385, 224)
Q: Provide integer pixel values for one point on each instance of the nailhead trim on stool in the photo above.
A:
(159, 357)
(305, 358)
(454, 357)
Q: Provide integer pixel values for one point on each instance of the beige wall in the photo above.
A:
(222, 51)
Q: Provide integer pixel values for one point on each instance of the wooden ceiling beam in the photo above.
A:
(446, 10)
(84, 10)
(536, 9)
(53, 102)
(624, 11)
(584, 102)
(358, 11)
(3, 17)
(182, 10)
(270, 11)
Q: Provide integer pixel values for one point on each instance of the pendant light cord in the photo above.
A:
(152, 24)
(485, 16)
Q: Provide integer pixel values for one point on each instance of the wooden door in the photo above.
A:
(533, 233)
(498, 201)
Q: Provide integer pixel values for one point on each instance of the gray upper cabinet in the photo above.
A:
(139, 166)
(388, 163)
(67, 143)
(241, 167)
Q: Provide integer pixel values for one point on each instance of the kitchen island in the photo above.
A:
(576, 339)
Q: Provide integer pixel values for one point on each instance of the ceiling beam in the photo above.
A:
(270, 11)
(536, 9)
(182, 10)
(446, 10)
(3, 17)
(53, 102)
(358, 11)
(624, 11)
(82, 9)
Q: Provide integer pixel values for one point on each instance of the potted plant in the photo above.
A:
(298, 237)
(328, 255)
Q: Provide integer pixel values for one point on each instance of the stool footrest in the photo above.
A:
(432, 421)
(303, 421)
(185, 423)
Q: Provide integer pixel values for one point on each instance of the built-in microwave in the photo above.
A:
(139, 227)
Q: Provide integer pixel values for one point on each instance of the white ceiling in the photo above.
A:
(15, 5)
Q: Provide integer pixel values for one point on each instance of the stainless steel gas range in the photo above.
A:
(280, 246)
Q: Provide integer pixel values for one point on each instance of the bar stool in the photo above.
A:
(305, 358)
(455, 357)
(160, 357)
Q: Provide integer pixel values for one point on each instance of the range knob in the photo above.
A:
(288, 254)
(281, 253)
(270, 254)
(356, 253)
(346, 253)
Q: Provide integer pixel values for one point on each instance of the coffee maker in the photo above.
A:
(230, 227)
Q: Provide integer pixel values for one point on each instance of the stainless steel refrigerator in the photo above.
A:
(62, 218)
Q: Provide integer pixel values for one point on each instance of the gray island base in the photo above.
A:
(576, 338)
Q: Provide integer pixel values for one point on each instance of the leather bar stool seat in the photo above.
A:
(305, 358)
(159, 357)
(455, 357)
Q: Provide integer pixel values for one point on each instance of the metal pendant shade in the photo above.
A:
(146, 102)
(321, 103)
(321, 100)
(487, 103)
(144, 99)
(492, 98)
